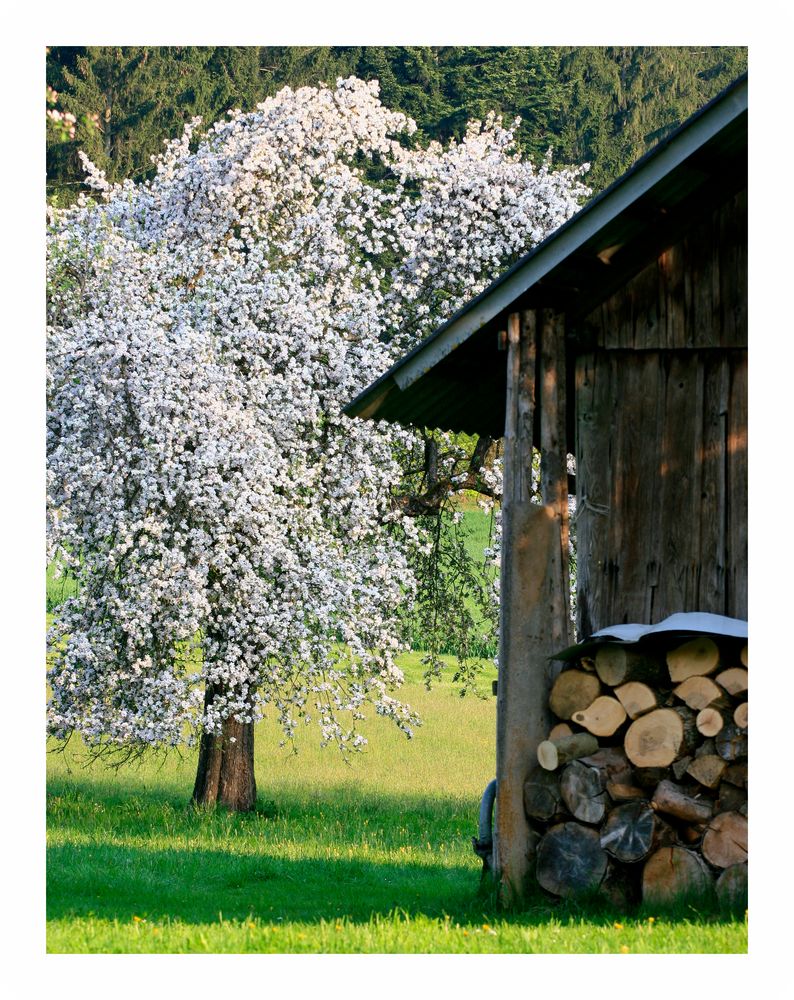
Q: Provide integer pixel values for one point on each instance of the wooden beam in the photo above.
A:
(532, 593)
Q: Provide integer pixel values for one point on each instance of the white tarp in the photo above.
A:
(682, 621)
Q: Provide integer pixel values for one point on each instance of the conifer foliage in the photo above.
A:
(601, 105)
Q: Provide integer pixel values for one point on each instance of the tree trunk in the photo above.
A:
(225, 773)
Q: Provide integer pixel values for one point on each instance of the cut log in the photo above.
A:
(587, 663)
(706, 747)
(542, 799)
(637, 698)
(624, 793)
(573, 691)
(603, 718)
(692, 833)
(583, 792)
(732, 889)
(730, 798)
(731, 742)
(740, 716)
(733, 680)
(701, 692)
(679, 767)
(707, 770)
(611, 763)
(561, 729)
(725, 840)
(711, 721)
(660, 737)
(736, 774)
(675, 873)
(694, 658)
(649, 777)
(633, 830)
(743, 655)
(570, 860)
(554, 753)
(672, 800)
(616, 664)
(621, 885)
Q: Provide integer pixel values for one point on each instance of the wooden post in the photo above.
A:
(532, 593)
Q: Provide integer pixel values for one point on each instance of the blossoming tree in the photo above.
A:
(237, 542)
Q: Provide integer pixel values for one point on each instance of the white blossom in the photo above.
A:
(227, 525)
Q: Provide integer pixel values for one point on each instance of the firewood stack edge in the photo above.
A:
(640, 790)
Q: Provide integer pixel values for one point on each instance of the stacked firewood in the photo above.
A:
(641, 788)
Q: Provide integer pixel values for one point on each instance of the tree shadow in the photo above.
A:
(283, 862)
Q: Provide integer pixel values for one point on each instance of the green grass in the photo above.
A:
(374, 856)
(59, 586)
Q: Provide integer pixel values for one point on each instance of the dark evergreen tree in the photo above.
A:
(606, 105)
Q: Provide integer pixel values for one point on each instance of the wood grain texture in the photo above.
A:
(661, 437)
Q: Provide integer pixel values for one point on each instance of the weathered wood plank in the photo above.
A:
(680, 484)
(701, 276)
(530, 581)
(596, 418)
(693, 295)
(713, 498)
(526, 401)
(737, 483)
(553, 453)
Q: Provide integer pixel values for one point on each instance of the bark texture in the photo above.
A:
(225, 773)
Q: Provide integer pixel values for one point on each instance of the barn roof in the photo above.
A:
(455, 378)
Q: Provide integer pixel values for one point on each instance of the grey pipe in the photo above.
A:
(485, 830)
(483, 842)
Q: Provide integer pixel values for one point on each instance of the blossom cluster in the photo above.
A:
(228, 526)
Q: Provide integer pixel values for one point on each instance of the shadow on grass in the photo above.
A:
(303, 859)
(194, 886)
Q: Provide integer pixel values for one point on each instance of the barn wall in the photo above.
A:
(693, 295)
(661, 421)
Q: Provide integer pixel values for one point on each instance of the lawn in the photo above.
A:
(374, 856)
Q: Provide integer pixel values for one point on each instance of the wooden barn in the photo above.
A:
(620, 340)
